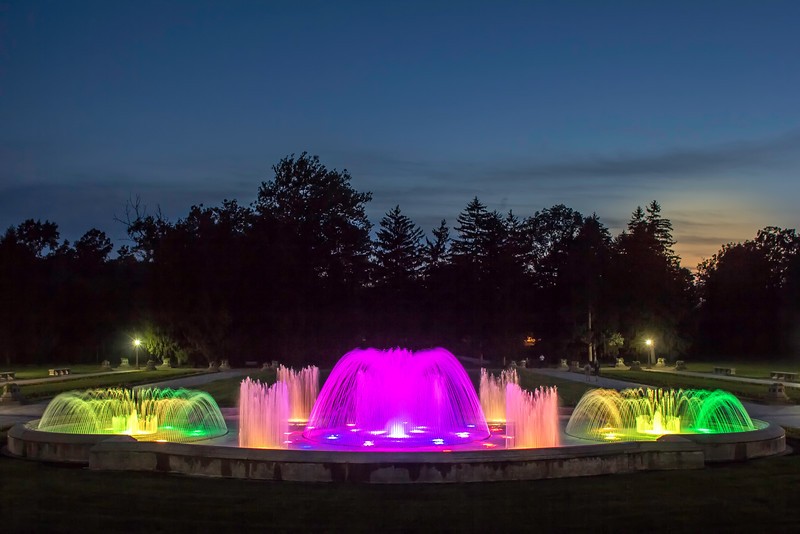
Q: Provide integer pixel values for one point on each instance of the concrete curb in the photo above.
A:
(123, 453)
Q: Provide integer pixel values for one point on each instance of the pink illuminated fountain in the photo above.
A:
(397, 398)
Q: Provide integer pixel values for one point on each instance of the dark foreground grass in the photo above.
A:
(743, 390)
(758, 496)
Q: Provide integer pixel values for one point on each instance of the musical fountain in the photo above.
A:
(397, 400)
(151, 414)
(647, 414)
(397, 416)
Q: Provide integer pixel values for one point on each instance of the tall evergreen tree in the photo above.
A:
(469, 246)
(397, 249)
(436, 253)
(653, 295)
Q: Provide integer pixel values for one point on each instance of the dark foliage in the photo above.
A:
(296, 277)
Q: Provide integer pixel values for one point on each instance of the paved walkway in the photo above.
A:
(783, 415)
(10, 415)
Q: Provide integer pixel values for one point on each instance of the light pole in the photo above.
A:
(136, 343)
(652, 356)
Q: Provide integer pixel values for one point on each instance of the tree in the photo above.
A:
(547, 235)
(144, 230)
(469, 246)
(38, 236)
(747, 291)
(436, 253)
(397, 249)
(580, 282)
(319, 248)
(94, 246)
(660, 229)
(160, 344)
(652, 295)
(323, 213)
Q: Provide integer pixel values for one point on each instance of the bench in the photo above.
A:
(725, 371)
(251, 363)
(783, 375)
(7, 375)
(58, 371)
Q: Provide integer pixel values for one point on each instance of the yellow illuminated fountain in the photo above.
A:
(646, 414)
(151, 414)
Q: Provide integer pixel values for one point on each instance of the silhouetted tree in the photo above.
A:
(746, 291)
(397, 249)
(653, 295)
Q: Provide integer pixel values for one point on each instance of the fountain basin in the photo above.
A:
(213, 458)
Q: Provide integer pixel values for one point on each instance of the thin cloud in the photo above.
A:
(678, 163)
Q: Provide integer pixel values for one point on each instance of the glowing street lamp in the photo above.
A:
(136, 343)
(652, 356)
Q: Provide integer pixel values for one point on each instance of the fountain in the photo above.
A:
(303, 387)
(646, 414)
(263, 414)
(492, 392)
(396, 417)
(148, 414)
(531, 417)
(396, 398)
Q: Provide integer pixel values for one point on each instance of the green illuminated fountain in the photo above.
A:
(646, 414)
(153, 414)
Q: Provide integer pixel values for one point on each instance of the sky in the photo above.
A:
(602, 106)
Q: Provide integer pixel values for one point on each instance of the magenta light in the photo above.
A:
(397, 399)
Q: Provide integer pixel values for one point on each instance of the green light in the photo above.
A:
(148, 415)
(646, 414)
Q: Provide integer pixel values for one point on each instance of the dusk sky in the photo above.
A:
(598, 105)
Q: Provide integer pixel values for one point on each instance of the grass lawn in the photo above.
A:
(757, 496)
(751, 369)
(226, 391)
(756, 392)
(49, 389)
(24, 372)
(569, 392)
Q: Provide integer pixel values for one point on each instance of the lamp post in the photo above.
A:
(651, 358)
(136, 343)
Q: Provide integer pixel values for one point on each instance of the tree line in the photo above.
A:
(300, 276)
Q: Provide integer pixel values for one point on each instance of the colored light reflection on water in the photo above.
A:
(297, 441)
